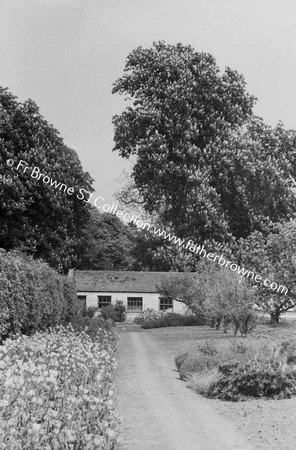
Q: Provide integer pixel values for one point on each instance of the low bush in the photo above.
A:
(172, 320)
(209, 357)
(179, 360)
(147, 314)
(239, 347)
(239, 381)
(56, 391)
(201, 364)
(93, 326)
(202, 382)
(236, 374)
(90, 311)
(288, 349)
(114, 312)
(208, 348)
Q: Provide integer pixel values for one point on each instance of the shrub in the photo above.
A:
(172, 320)
(90, 325)
(56, 391)
(288, 348)
(208, 348)
(90, 311)
(33, 295)
(120, 311)
(238, 381)
(192, 320)
(179, 360)
(239, 347)
(200, 364)
(114, 312)
(209, 357)
(202, 382)
(238, 374)
(147, 314)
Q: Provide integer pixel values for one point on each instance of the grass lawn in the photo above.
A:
(268, 424)
(187, 339)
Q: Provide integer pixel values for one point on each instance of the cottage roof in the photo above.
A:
(122, 281)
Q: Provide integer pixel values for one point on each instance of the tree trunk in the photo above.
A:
(236, 328)
(275, 317)
(218, 322)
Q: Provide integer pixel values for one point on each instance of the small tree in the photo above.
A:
(231, 299)
(273, 257)
(183, 289)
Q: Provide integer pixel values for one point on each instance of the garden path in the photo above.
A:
(159, 412)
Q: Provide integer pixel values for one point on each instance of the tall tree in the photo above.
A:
(181, 102)
(204, 163)
(34, 216)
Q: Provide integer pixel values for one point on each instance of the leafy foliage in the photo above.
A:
(173, 320)
(35, 217)
(237, 373)
(184, 290)
(92, 326)
(107, 243)
(203, 163)
(273, 256)
(33, 295)
(148, 314)
(237, 381)
(115, 312)
(208, 348)
(230, 298)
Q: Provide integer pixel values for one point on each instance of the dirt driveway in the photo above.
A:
(158, 410)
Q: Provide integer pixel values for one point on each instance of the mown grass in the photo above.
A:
(179, 340)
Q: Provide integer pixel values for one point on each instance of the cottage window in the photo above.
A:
(165, 303)
(134, 303)
(104, 300)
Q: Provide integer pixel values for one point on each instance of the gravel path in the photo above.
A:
(158, 410)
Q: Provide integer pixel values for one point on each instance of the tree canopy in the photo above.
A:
(44, 221)
(107, 243)
(203, 163)
(273, 257)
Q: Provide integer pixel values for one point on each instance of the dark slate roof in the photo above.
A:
(119, 281)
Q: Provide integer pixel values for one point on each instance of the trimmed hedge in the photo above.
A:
(33, 295)
(173, 320)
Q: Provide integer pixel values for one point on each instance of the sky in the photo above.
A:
(66, 54)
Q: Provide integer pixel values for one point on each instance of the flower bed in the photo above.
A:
(239, 373)
(56, 391)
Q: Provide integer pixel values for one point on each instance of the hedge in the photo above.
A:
(33, 296)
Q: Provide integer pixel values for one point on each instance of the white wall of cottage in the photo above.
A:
(150, 300)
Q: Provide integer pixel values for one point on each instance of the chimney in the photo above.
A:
(71, 274)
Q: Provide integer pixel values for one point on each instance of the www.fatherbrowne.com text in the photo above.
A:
(189, 245)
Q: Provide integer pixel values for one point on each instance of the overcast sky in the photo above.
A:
(65, 55)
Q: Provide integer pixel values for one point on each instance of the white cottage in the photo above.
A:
(137, 290)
